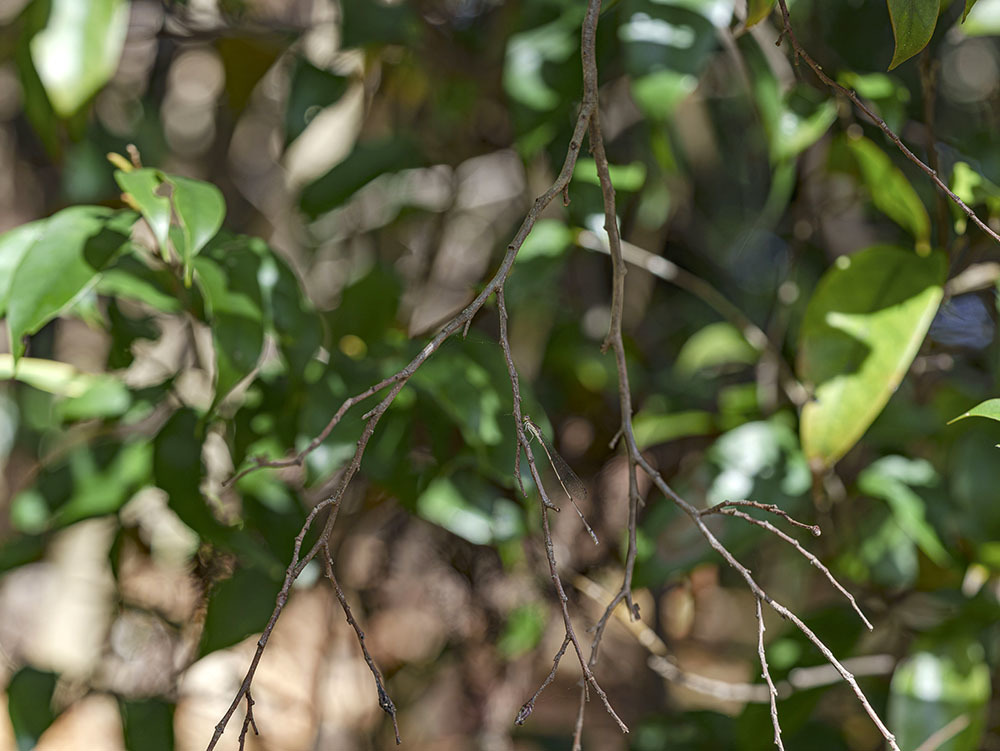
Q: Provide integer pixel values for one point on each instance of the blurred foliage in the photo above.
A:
(316, 186)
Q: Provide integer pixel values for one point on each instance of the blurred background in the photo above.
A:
(387, 152)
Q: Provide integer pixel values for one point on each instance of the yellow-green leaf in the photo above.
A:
(862, 328)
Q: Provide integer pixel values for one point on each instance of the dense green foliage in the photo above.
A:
(330, 188)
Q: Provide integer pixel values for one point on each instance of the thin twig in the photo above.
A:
(399, 379)
(384, 701)
(771, 690)
(248, 722)
(799, 679)
(860, 104)
(529, 706)
(757, 591)
(805, 554)
(720, 508)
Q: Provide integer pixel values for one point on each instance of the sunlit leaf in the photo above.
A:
(891, 191)
(913, 23)
(78, 50)
(990, 408)
(653, 428)
(200, 210)
(143, 185)
(55, 262)
(862, 328)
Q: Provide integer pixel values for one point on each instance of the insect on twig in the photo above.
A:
(571, 484)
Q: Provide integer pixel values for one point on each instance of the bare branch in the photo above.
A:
(383, 696)
(771, 690)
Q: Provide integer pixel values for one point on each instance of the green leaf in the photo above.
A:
(56, 262)
(29, 702)
(200, 209)
(990, 408)
(78, 50)
(238, 607)
(197, 206)
(228, 275)
(758, 10)
(929, 690)
(913, 23)
(891, 191)
(968, 7)
(144, 187)
(890, 479)
(861, 330)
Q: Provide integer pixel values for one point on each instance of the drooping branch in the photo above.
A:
(787, 31)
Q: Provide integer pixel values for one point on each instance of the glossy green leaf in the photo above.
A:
(758, 10)
(237, 608)
(890, 478)
(144, 185)
(968, 7)
(990, 408)
(891, 191)
(228, 275)
(29, 702)
(187, 212)
(78, 50)
(59, 260)
(862, 328)
(913, 23)
(929, 690)
(200, 210)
